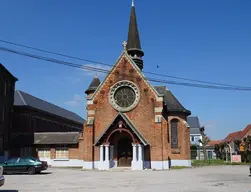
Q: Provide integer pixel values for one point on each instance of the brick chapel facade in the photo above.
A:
(131, 123)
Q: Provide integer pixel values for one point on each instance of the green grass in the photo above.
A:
(178, 167)
(197, 163)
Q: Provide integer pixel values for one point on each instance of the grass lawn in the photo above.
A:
(212, 162)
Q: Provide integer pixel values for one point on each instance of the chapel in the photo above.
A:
(131, 123)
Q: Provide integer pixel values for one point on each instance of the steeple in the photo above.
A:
(133, 41)
(93, 86)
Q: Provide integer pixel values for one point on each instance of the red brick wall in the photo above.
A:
(143, 117)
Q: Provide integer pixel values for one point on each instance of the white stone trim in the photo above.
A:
(158, 109)
(89, 102)
(63, 163)
(186, 124)
(186, 163)
(115, 87)
(91, 112)
(160, 99)
(158, 118)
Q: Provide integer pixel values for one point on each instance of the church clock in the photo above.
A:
(124, 96)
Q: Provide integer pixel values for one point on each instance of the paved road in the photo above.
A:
(207, 179)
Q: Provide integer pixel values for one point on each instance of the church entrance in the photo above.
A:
(124, 152)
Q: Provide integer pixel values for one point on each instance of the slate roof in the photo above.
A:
(25, 99)
(47, 138)
(6, 70)
(133, 41)
(93, 86)
(172, 104)
(193, 122)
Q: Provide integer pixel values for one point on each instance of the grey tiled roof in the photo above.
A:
(25, 99)
(47, 138)
(193, 122)
(171, 101)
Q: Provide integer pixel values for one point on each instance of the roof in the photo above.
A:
(245, 131)
(193, 122)
(6, 70)
(171, 102)
(195, 131)
(213, 143)
(25, 99)
(130, 125)
(94, 85)
(56, 138)
(133, 41)
(233, 136)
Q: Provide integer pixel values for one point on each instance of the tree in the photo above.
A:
(204, 141)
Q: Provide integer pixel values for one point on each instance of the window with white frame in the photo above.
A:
(44, 153)
(62, 152)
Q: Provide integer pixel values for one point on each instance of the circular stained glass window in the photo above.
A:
(124, 96)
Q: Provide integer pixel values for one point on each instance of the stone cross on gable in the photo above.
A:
(124, 45)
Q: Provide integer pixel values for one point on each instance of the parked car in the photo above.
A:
(28, 165)
(1, 176)
(250, 169)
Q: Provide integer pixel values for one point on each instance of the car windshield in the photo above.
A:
(34, 159)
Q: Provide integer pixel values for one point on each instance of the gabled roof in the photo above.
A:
(245, 131)
(6, 70)
(171, 102)
(233, 136)
(131, 126)
(124, 53)
(193, 122)
(25, 99)
(213, 143)
(56, 138)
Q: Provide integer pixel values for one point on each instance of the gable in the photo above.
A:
(137, 70)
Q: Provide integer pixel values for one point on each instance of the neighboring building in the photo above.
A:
(43, 129)
(131, 123)
(7, 87)
(195, 134)
(211, 149)
(237, 136)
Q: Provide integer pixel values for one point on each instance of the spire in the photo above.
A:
(133, 42)
(93, 86)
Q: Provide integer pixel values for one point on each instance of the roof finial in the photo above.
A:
(124, 44)
(132, 3)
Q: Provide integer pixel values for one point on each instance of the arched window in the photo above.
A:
(174, 133)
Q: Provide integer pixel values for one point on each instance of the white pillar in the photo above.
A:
(101, 153)
(107, 160)
(101, 157)
(140, 152)
(134, 153)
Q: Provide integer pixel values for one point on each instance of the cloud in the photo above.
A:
(94, 67)
(76, 101)
(209, 124)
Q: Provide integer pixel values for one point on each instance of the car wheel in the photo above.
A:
(31, 170)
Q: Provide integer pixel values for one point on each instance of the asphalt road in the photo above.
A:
(206, 179)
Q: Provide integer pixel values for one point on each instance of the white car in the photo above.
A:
(1, 176)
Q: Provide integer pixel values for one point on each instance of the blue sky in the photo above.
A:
(206, 40)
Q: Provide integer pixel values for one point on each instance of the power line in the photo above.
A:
(70, 64)
(105, 64)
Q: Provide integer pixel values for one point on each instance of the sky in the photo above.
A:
(204, 40)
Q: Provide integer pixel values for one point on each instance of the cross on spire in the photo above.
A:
(124, 44)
